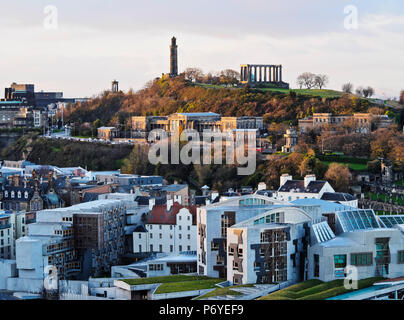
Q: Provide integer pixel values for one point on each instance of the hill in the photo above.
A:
(165, 96)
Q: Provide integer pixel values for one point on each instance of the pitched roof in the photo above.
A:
(337, 196)
(298, 186)
(160, 215)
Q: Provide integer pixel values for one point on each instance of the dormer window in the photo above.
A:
(26, 194)
(12, 194)
(6, 194)
(19, 194)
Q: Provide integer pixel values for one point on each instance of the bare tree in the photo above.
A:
(307, 79)
(347, 87)
(359, 91)
(402, 97)
(193, 74)
(368, 92)
(321, 80)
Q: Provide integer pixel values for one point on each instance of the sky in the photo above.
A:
(89, 43)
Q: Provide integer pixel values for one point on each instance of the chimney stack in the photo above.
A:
(308, 178)
(152, 202)
(169, 204)
(285, 177)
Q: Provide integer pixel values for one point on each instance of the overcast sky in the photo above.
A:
(97, 41)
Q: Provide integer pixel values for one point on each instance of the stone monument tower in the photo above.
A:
(173, 58)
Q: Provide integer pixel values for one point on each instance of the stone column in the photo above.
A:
(265, 74)
(280, 73)
(273, 74)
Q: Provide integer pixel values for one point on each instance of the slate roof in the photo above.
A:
(298, 186)
(337, 196)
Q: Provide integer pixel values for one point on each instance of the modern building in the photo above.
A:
(80, 241)
(213, 222)
(373, 245)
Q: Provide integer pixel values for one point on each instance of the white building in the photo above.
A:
(309, 188)
(170, 228)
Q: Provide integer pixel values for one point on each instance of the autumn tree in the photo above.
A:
(338, 176)
(402, 97)
(229, 76)
(193, 74)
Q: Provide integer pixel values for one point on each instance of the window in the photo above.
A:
(180, 236)
(340, 261)
(361, 259)
(189, 228)
(171, 248)
(180, 248)
(160, 236)
(189, 248)
(179, 227)
(161, 248)
(189, 237)
(140, 248)
(151, 248)
(140, 236)
(214, 246)
(400, 255)
(151, 235)
(316, 265)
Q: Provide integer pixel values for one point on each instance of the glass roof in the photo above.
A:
(358, 220)
(391, 221)
(323, 231)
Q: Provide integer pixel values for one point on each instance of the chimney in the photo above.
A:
(214, 195)
(169, 204)
(285, 177)
(177, 198)
(308, 179)
(262, 186)
(152, 202)
(207, 202)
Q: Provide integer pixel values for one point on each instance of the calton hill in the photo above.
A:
(342, 156)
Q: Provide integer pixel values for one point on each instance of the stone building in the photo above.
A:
(291, 140)
(198, 121)
(358, 122)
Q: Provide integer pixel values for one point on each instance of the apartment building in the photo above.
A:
(213, 222)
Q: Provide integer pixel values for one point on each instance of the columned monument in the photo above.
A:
(173, 58)
(254, 74)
